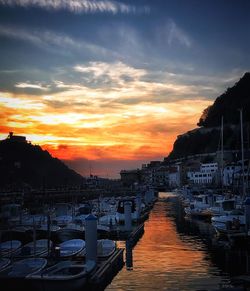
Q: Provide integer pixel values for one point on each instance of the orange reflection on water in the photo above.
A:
(164, 246)
(165, 260)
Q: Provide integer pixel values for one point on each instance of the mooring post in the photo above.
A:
(91, 237)
(128, 218)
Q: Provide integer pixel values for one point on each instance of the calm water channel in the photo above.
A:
(175, 254)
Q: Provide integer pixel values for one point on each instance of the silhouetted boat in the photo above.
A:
(65, 275)
(71, 231)
(9, 247)
(35, 248)
(23, 268)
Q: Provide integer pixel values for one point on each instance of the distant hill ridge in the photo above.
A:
(206, 138)
(228, 104)
(24, 164)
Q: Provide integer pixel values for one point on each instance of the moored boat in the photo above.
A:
(105, 248)
(65, 275)
(8, 248)
(36, 248)
(4, 262)
(71, 248)
(23, 268)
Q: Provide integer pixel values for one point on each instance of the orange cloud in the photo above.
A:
(131, 119)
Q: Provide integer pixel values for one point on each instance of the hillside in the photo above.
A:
(228, 104)
(24, 164)
(206, 139)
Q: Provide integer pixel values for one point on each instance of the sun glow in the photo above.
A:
(124, 117)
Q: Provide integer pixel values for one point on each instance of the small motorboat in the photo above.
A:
(36, 248)
(71, 231)
(105, 247)
(23, 268)
(65, 275)
(72, 247)
(9, 247)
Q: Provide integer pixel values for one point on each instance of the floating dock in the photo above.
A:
(106, 271)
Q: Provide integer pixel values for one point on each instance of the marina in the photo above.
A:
(170, 250)
(124, 145)
(74, 255)
(176, 253)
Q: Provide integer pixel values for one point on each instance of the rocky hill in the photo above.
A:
(228, 105)
(23, 164)
(206, 138)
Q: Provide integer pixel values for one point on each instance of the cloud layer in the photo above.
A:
(77, 6)
(115, 80)
(126, 117)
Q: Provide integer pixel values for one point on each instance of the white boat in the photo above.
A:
(71, 247)
(198, 207)
(65, 275)
(108, 220)
(36, 248)
(105, 248)
(23, 268)
(9, 247)
(222, 207)
(232, 222)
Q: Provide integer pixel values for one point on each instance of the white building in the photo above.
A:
(209, 167)
(205, 176)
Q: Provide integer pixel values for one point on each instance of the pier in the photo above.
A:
(106, 271)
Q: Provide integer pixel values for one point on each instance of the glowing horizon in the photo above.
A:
(113, 83)
(143, 131)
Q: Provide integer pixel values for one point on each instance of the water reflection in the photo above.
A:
(170, 255)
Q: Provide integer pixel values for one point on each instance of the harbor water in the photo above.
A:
(176, 254)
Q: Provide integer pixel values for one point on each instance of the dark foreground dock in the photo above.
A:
(106, 271)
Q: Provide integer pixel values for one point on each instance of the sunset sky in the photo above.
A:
(108, 85)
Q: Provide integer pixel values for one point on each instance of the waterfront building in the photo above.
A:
(206, 174)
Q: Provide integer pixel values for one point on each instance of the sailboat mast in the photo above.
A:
(242, 154)
(222, 155)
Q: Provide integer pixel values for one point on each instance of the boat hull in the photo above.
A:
(58, 284)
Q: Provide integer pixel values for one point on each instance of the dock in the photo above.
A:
(106, 271)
